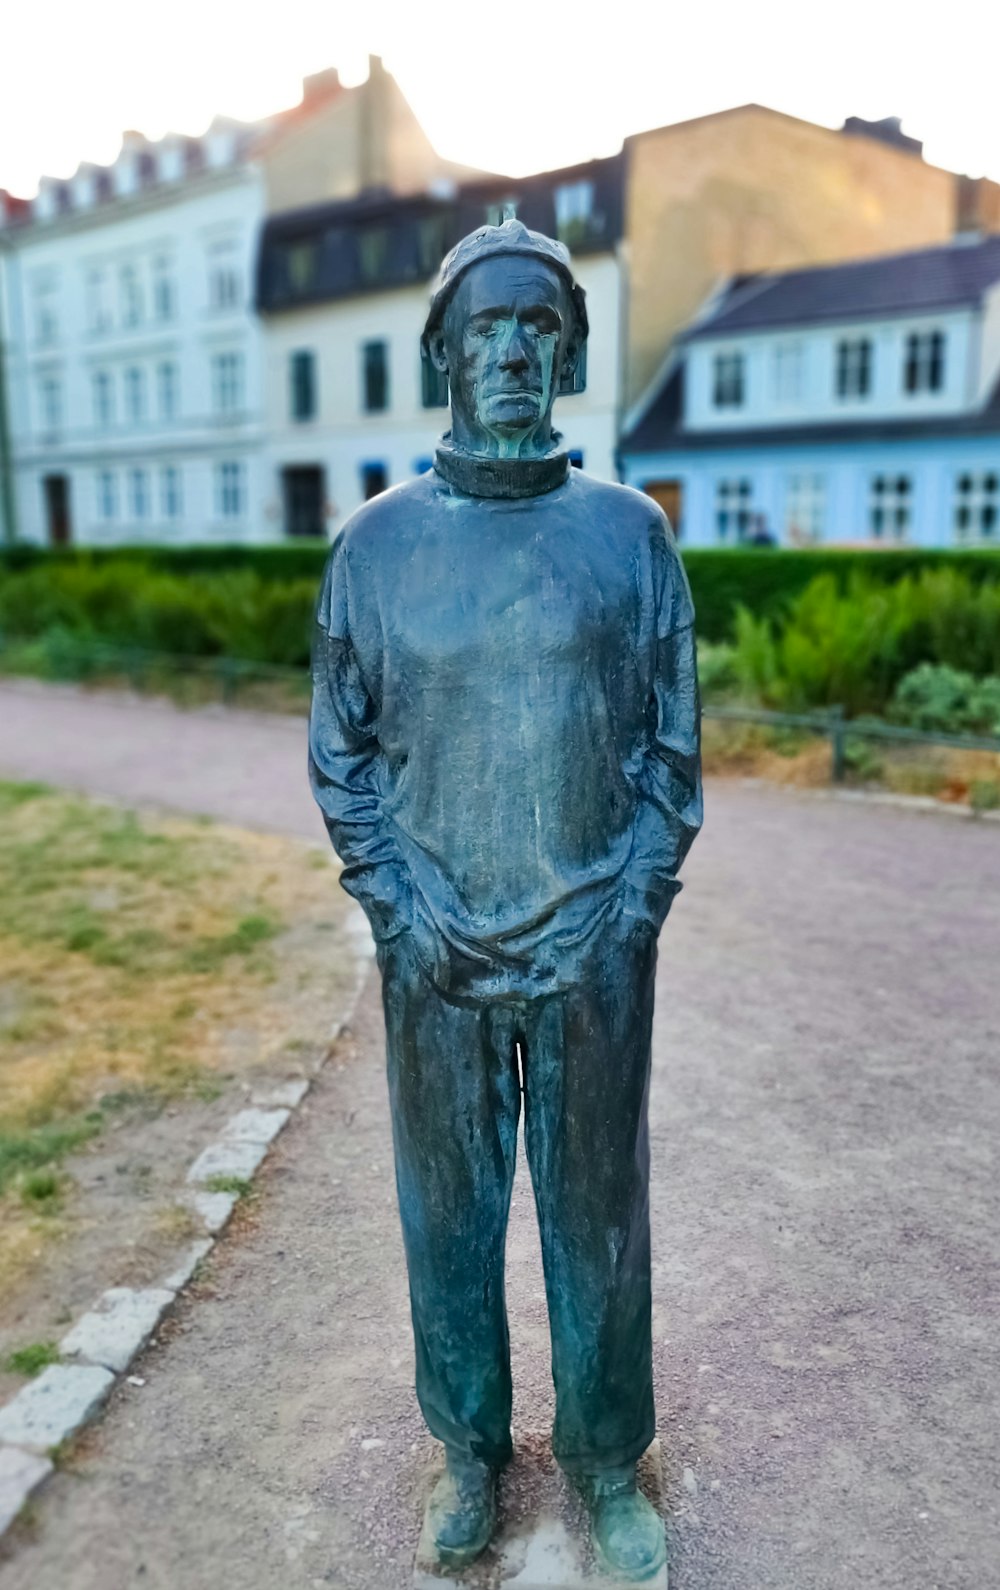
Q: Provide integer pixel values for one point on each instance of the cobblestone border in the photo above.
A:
(103, 1343)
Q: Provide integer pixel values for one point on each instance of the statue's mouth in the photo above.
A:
(515, 392)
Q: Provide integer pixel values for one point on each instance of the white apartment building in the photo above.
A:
(344, 293)
(133, 355)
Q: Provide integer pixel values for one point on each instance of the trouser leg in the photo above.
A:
(455, 1099)
(587, 1139)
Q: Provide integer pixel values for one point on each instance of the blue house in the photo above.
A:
(846, 403)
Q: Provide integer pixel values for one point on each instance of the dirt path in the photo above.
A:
(246, 768)
(825, 1218)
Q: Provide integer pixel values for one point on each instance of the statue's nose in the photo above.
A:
(514, 356)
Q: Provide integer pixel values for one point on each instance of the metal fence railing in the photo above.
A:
(82, 659)
(839, 729)
(85, 659)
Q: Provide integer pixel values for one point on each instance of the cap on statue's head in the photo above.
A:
(486, 242)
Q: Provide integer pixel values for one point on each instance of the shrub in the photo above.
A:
(716, 670)
(852, 647)
(935, 696)
(984, 795)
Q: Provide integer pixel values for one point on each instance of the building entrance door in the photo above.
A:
(669, 494)
(305, 499)
(57, 515)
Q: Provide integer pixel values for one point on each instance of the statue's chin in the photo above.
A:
(511, 415)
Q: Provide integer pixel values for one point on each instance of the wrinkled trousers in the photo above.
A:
(455, 1092)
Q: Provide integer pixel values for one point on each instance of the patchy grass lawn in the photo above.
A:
(148, 968)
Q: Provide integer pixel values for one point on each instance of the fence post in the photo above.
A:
(135, 667)
(230, 671)
(838, 745)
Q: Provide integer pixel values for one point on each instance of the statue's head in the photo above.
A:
(507, 323)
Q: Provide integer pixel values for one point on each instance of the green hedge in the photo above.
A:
(767, 580)
(125, 602)
(257, 601)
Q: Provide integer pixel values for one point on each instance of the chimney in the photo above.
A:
(977, 205)
(320, 85)
(373, 153)
(887, 131)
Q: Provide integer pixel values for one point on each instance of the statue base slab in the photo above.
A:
(542, 1540)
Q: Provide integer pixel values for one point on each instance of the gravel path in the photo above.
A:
(825, 1210)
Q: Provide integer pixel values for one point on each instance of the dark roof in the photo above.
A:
(658, 430)
(894, 284)
(379, 240)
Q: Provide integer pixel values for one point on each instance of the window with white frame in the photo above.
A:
(138, 493)
(135, 394)
(805, 508)
(50, 402)
(130, 294)
(103, 391)
(977, 505)
(164, 292)
(854, 367)
(170, 491)
(230, 490)
(46, 317)
(375, 376)
(106, 495)
(890, 506)
(167, 387)
(923, 361)
(574, 203)
(224, 284)
(227, 382)
(728, 380)
(786, 372)
(98, 306)
(302, 382)
(733, 509)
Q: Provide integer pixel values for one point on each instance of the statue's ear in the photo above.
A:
(435, 351)
(573, 375)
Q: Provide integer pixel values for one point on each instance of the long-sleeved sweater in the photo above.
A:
(504, 737)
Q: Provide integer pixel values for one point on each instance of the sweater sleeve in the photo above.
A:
(345, 762)
(670, 794)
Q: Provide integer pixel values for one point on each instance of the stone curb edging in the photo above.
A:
(104, 1341)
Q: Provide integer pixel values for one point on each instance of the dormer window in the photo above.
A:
(574, 202)
(302, 263)
(373, 252)
(854, 367)
(728, 380)
(923, 365)
(501, 211)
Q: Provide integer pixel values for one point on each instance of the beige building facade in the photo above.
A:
(751, 189)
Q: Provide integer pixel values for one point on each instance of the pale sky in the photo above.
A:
(512, 88)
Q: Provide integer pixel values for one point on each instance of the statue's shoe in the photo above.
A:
(461, 1513)
(627, 1532)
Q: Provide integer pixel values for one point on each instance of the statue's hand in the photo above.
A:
(429, 947)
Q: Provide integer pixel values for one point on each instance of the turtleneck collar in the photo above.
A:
(476, 476)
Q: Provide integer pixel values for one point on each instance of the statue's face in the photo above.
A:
(503, 343)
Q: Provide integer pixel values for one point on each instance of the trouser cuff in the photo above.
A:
(614, 1462)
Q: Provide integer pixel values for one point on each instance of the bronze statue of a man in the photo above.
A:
(505, 746)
